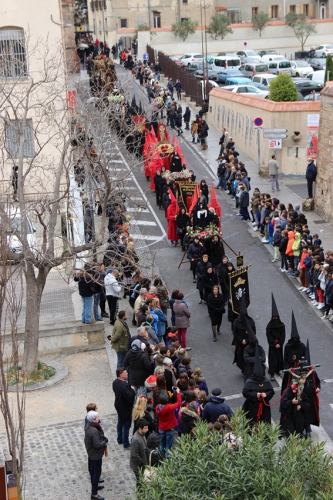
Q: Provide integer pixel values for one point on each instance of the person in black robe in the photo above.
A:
(294, 351)
(276, 336)
(159, 182)
(204, 191)
(194, 254)
(258, 391)
(215, 303)
(240, 340)
(212, 217)
(209, 280)
(216, 251)
(311, 389)
(176, 163)
(250, 352)
(293, 408)
(182, 222)
(201, 217)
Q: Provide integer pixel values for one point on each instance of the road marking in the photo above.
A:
(234, 396)
(137, 209)
(145, 237)
(145, 198)
(143, 223)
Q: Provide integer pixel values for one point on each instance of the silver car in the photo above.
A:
(247, 89)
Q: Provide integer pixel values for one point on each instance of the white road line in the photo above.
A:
(144, 197)
(136, 198)
(147, 237)
(137, 209)
(331, 406)
(143, 223)
(234, 396)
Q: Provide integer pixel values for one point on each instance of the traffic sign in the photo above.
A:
(258, 122)
(275, 144)
(275, 130)
(145, 57)
(275, 136)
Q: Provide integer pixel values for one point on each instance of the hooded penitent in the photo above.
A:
(276, 336)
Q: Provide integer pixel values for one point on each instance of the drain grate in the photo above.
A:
(320, 222)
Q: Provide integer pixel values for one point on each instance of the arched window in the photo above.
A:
(13, 61)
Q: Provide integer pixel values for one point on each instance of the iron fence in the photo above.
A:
(192, 86)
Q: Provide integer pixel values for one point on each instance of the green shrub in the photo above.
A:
(282, 88)
(263, 468)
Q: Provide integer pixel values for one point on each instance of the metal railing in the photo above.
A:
(191, 85)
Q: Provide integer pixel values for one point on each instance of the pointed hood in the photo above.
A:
(215, 204)
(194, 199)
(243, 308)
(307, 353)
(294, 331)
(251, 335)
(174, 201)
(275, 312)
(258, 369)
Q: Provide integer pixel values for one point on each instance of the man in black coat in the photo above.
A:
(244, 201)
(310, 175)
(239, 330)
(258, 391)
(124, 401)
(276, 336)
(96, 446)
(139, 367)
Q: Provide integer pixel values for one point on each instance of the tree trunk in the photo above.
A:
(34, 289)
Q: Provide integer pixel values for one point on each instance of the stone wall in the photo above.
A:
(324, 182)
(237, 113)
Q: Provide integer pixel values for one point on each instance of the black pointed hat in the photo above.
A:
(307, 353)
(294, 331)
(258, 369)
(141, 112)
(251, 335)
(275, 311)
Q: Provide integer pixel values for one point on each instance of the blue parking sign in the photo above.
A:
(145, 57)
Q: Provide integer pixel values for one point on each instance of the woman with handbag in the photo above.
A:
(215, 302)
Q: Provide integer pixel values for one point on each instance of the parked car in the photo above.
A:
(300, 68)
(229, 54)
(277, 67)
(263, 78)
(318, 64)
(306, 86)
(272, 57)
(204, 88)
(249, 55)
(317, 76)
(13, 228)
(226, 73)
(211, 74)
(176, 60)
(251, 69)
(221, 62)
(237, 80)
(247, 89)
(323, 50)
(191, 58)
(313, 97)
(267, 52)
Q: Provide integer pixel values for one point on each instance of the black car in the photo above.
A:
(318, 63)
(306, 86)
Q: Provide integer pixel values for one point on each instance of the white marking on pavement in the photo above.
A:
(145, 237)
(145, 198)
(137, 209)
(143, 223)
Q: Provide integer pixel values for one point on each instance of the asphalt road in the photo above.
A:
(215, 359)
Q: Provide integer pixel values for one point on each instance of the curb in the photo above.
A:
(61, 373)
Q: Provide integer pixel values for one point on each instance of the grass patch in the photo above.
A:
(43, 372)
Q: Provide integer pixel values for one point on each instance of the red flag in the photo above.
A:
(215, 204)
(194, 199)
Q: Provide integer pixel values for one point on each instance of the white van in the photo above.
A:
(223, 62)
(317, 76)
(277, 67)
(14, 223)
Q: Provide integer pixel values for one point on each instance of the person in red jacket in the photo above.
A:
(167, 420)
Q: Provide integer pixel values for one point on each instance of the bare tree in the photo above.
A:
(12, 404)
(41, 136)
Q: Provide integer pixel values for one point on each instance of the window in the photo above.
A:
(183, 19)
(255, 11)
(306, 9)
(292, 8)
(157, 19)
(100, 26)
(185, 1)
(106, 25)
(123, 23)
(274, 11)
(13, 141)
(235, 15)
(13, 61)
